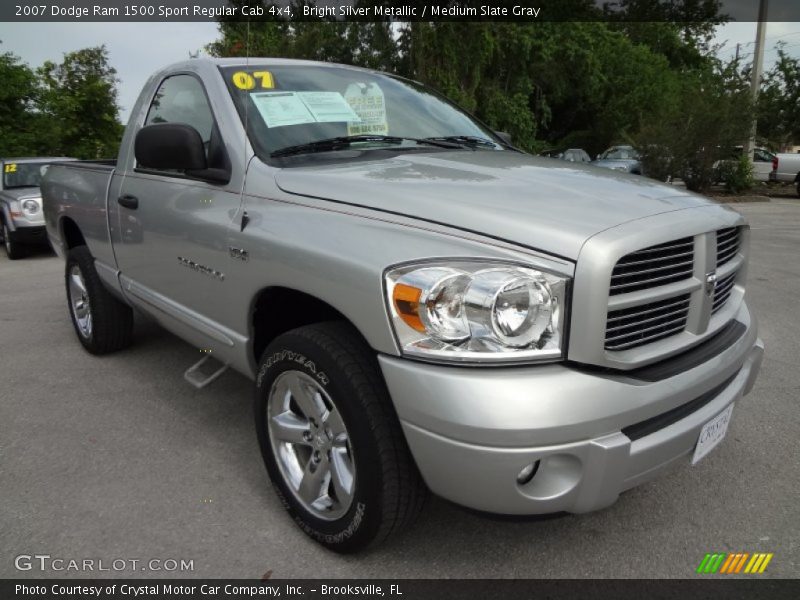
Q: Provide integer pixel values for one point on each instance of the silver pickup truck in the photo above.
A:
(420, 305)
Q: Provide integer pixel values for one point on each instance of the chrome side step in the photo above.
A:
(201, 374)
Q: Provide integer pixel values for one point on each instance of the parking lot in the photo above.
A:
(117, 457)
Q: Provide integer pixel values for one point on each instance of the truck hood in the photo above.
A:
(532, 201)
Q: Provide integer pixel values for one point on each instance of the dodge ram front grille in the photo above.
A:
(676, 286)
(722, 291)
(727, 244)
(653, 266)
(630, 327)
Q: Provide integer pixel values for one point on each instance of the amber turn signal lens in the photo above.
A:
(406, 302)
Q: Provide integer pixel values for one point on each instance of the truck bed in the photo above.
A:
(77, 191)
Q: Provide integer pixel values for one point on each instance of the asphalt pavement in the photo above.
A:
(118, 458)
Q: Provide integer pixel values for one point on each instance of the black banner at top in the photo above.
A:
(393, 10)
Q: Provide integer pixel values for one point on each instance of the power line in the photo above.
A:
(777, 37)
(769, 37)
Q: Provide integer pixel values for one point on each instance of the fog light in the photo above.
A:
(527, 473)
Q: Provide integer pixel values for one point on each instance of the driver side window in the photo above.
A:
(182, 99)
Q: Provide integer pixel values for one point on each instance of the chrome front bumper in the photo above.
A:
(473, 430)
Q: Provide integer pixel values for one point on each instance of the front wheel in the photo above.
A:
(103, 323)
(331, 441)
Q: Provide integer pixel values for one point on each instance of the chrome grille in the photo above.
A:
(722, 291)
(653, 266)
(630, 327)
(727, 244)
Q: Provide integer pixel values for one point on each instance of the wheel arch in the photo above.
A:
(71, 235)
(295, 309)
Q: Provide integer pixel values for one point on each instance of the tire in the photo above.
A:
(102, 323)
(13, 250)
(353, 431)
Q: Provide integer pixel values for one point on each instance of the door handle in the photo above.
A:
(128, 201)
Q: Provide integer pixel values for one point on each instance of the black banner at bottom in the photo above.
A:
(401, 589)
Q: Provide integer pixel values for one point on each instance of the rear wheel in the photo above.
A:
(102, 322)
(13, 250)
(331, 441)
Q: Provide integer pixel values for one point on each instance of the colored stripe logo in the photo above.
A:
(733, 563)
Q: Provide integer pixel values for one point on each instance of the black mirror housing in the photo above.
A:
(170, 146)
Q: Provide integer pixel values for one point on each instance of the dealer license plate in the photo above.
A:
(712, 433)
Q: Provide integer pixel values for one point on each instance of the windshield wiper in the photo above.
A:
(465, 140)
(341, 142)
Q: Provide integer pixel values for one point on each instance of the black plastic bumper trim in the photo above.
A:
(645, 428)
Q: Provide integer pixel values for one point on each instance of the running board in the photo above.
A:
(199, 376)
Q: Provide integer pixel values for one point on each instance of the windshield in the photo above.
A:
(620, 154)
(27, 174)
(290, 105)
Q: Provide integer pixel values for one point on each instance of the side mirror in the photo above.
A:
(170, 146)
(505, 136)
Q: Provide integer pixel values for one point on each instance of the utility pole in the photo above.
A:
(758, 66)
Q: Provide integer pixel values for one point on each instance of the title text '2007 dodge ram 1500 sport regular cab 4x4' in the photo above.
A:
(420, 305)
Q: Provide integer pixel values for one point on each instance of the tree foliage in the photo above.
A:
(66, 109)
(18, 95)
(779, 101)
(709, 112)
(79, 99)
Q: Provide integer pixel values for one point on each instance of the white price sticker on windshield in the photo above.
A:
(282, 108)
(328, 107)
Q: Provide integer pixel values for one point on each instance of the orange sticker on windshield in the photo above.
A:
(249, 81)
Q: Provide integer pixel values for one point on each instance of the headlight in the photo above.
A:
(477, 311)
(30, 206)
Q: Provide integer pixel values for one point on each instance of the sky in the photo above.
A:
(137, 49)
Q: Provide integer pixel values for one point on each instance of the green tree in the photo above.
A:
(18, 119)
(79, 98)
(708, 114)
(680, 30)
(779, 101)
